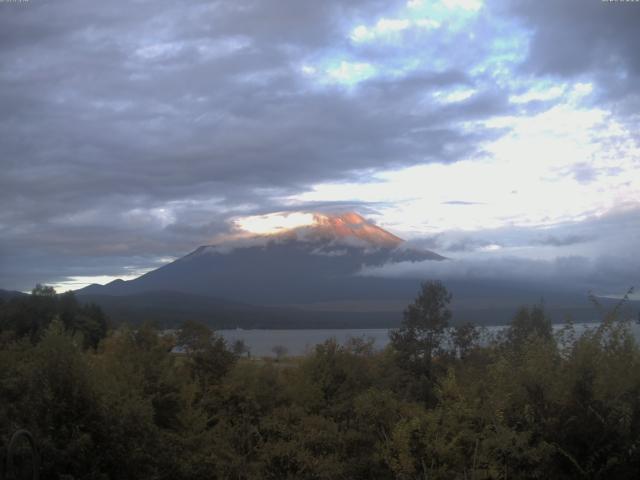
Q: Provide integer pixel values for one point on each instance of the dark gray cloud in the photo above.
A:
(130, 132)
(564, 240)
(595, 40)
(579, 36)
(431, 242)
(140, 129)
(614, 233)
(605, 275)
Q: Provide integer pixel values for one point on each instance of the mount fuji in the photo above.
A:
(307, 264)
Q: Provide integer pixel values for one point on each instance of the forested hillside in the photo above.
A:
(119, 403)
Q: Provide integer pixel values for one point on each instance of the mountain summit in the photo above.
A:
(350, 227)
(343, 228)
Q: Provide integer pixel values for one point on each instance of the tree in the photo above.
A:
(240, 348)
(29, 316)
(43, 291)
(209, 357)
(194, 337)
(92, 323)
(419, 338)
(464, 338)
(280, 351)
(529, 323)
(425, 321)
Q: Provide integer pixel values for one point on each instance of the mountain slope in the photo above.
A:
(9, 294)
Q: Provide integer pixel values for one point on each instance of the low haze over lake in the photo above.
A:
(301, 342)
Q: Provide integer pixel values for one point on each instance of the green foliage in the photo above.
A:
(465, 338)
(419, 340)
(30, 316)
(148, 405)
(208, 357)
(425, 320)
(529, 323)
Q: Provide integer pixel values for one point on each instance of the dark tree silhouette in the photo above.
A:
(420, 336)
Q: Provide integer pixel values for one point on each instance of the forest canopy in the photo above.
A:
(438, 402)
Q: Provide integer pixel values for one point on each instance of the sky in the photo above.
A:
(500, 133)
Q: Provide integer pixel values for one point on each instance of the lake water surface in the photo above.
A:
(299, 342)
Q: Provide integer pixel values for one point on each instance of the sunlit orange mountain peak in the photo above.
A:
(347, 228)
(351, 225)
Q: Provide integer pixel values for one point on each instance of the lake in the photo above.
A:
(299, 342)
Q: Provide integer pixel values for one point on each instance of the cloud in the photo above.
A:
(563, 241)
(460, 202)
(604, 275)
(593, 254)
(140, 129)
(577, 38)
(135, 132)
(468, 244)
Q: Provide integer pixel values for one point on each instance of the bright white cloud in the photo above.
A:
(418, 14)
(493, 247)
(308, 69)
(350, 73)
(273, 222)
(453, 96)
(386, 27)
(469, 5)
(562, 165)
(536, 94)
(542, 93)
